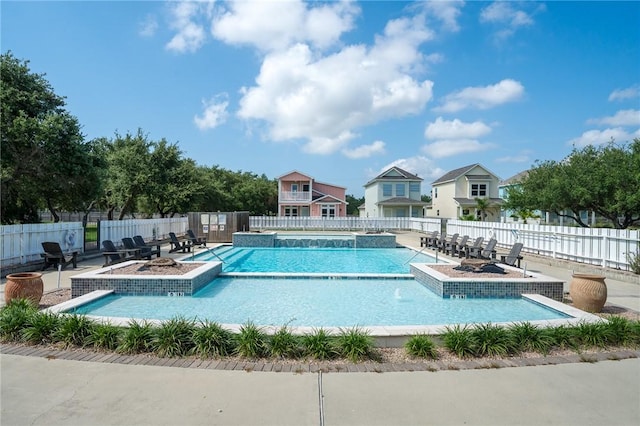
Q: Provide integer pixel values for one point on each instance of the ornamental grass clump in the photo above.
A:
(174, 338)
(527, 337)
(421, 346)
(354, 343)
(283, 344)
(459, 340)
(318, 344)
(564, 337)
(74, 330)
(104, 336)
(620, 331)
(251, 341)
(596, 334)
(14, 317)
(210, 340)
(40, 328)
(492, 340)
(136, 338)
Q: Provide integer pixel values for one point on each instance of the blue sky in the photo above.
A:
(343, 90)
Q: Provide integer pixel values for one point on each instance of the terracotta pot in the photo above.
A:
(24, 285)
(588, 292)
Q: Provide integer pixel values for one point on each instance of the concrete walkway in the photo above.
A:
(41, 390)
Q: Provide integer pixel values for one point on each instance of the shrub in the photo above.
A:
(459, 340)
(74, 330)
(634, 261)
(563, 337)
(492, 340)
(354, 344)
(595, 334)
(174, 338)
(251, 342)
(14, 317)
(318, 344)
(620, 331)
(421, 346)
(528, 337)
(104, 336)
(211, 340)
(137, 338)
(284, 344)
(40, 327)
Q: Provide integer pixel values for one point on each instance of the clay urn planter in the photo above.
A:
(588, 292)
(24, 285)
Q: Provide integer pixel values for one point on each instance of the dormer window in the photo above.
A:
(478, 190)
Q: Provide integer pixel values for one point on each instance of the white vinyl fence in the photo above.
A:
(258, 223)
(22, 244)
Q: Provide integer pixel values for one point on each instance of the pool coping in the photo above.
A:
(385, 336)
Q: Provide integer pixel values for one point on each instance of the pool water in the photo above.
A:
(316, 260)
(320, 302)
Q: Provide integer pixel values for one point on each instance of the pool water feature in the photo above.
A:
(321, 303)
(315, 260)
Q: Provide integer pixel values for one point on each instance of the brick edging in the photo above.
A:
(309, 367)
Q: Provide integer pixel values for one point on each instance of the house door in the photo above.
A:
(328, 210)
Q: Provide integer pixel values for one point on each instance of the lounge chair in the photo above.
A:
(143, 246)
(429, 240)
(488, 252)
(470, 251)
(447, 244)
(113, 255)
(196, 241)
(514, 255)
(142, 253)
(53, 256)
(453, 249)
(177, 245)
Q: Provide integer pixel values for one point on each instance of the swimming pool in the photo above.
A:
(320, 302)
(315, 260)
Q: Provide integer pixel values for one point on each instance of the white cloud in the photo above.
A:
(323, 99)
(190, 34)
(214, 114)
(148, 27)
(447, 12)
(627, 117)
(483, 97)
(448, 148)
(455, 129)
(623, 94)
(520, 158)
(365, 151)
(419, 165)
(598, 137)
(269, 25)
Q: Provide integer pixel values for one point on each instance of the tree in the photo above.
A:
(602, 179)
(484, 207)
(353, 205)
(45, 161)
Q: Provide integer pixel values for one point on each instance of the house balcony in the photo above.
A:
(299, 196)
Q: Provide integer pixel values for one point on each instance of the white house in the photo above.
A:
(454, 194)
(393, 193)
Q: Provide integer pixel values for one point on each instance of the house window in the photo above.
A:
(291, 211)
(435, 192)
(305, 187)
(387, 190)
(465, 212)
(437, 212)
(328, 210)
(478, 189)
(414, 187)
(400, 190)
(294, 187)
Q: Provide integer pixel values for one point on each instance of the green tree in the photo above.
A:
(354, 204)
(602, 179)
(45, 161)
(485, 207)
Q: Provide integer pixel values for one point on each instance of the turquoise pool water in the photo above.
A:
(316, 260)
(320, 302)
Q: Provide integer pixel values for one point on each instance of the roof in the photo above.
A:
(515, 178)
(311, 178)
(401, 175)
(453, 174)
(466, 201)
(401, 201)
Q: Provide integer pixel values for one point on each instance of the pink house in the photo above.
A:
(302, 195)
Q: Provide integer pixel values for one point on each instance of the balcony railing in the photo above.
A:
(294, 196)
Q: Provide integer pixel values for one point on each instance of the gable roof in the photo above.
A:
(456, 173)
(394, 173)
(515, 178)
(311, 178)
